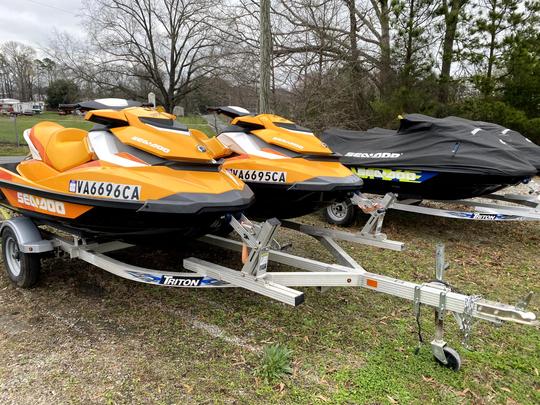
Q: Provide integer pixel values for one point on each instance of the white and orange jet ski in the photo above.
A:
(291, 172)
(139, 172)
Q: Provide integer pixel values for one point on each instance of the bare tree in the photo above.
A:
(163, 42)
(6, 78)
(265, 58)
(18, 67)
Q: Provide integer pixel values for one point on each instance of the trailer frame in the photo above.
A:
(501, 207)
(259, 240)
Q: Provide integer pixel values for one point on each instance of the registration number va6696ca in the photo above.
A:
(261, 176)
(102, 189)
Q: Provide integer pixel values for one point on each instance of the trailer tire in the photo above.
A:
(453, 360)
(342, 213)
(22, 268)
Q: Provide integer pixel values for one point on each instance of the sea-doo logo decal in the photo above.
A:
(178, 281)
(44, 204)
(151, 144)
(101, 189)
(405, 176)
(376, 155)
(296, 145)
(259, 176)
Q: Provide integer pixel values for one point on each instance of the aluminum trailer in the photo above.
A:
(502, 207)
(23, 242)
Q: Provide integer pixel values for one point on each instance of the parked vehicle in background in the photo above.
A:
(38, 107)
(24, 108)
(65, 109)
(11, 106)
(7, 105)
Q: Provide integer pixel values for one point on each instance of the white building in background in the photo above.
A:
(10, 106)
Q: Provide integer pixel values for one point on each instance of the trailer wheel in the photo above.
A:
(453, 360)
(340, 213)
(22, 268)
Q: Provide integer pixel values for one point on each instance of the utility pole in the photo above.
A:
(265, 69)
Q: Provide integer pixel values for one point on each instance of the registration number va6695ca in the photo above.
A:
(102, 189)
(261, 176)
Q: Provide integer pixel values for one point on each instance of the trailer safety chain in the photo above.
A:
(417, 312)
(467, 319)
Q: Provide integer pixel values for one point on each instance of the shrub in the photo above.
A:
(276, 362)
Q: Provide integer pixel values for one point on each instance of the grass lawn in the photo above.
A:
(10, 128)
(85, 336)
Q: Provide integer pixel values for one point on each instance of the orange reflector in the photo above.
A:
(371, 283)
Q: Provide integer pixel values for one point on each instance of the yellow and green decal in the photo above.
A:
(402, 176)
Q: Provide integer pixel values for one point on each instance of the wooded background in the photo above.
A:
(346, 63)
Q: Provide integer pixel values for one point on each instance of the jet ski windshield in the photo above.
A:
(164, 123)
(292, 127)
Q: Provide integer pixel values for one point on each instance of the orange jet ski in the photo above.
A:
(291, 172)
(139, 172)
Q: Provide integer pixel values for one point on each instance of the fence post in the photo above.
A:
(14, 119)
(16, 133)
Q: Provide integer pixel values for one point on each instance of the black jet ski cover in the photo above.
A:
(432, 144)
(527, 148)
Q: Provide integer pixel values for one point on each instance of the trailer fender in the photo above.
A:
(28, 235)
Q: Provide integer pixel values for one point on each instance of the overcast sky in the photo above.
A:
(33, 21)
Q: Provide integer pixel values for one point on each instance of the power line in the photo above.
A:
(53, 7)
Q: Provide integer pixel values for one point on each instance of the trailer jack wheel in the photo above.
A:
(453, 360)
(22, 268)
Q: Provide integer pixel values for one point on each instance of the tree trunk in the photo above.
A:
(451, 18)
(354, 57)
(409, 50)
(385, 75)
(488, 87)
(265, 57)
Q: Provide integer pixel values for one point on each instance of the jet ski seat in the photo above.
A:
(59, 147)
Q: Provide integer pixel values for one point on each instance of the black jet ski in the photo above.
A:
(431, 158)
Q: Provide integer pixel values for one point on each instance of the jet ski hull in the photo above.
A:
(432, 185)
(182, 215)
(286, 201)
